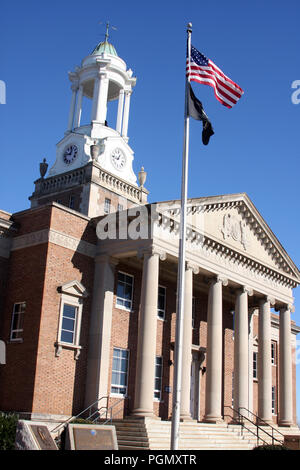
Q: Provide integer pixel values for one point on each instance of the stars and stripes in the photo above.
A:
(202, 70)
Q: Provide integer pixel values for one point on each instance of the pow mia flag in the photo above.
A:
(196, 111)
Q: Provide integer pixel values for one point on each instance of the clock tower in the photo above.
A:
(94, 161)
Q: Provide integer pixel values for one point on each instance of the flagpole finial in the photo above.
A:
(189, 27)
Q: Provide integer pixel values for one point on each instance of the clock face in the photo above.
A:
(70, 154)
(118, 159)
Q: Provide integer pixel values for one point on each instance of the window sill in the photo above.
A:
(118, 395)
(16, 340)
(59, 346)
(124, 309)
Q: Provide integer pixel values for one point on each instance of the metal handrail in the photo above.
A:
(241, 422)
(107, 410)
(62, 425)
(263, 421)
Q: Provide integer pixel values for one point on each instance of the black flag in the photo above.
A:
(196, 111)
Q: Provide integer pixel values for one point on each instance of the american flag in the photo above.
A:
(202, 70)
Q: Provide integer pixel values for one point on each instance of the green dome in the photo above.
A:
(105, 47)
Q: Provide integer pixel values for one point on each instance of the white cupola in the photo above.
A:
(102, 77)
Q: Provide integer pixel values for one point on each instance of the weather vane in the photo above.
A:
(107, 28)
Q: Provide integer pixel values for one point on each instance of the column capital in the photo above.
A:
(245, 289)
(222, 279)
(270, 299)
(192, 266)
(289, 307)
(152, 250)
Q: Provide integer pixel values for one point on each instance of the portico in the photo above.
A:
(224, 259)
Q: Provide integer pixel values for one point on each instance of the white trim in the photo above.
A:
(163, 318)
(123, 307)
(115, 394)
(20, 330)
(72, 294)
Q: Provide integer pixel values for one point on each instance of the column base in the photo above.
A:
(142, 414)
(265, 422)
(186, 418)
(212, 419)
(285, 423)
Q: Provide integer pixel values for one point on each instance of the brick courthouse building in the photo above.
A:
(88, 285)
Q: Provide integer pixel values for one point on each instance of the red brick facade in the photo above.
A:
(35, 379)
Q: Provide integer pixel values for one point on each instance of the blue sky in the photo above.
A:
(255, 148)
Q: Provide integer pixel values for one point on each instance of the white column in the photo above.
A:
(146, 352)
(95, 98)
(100, 330)
(213, 391)
(241, 351)
(126, 113)
(264, 361)
(187, 343)
(78, 107)
(101, 99)
(74, 89)
(250, 393)
(120, 111)
(285, 368)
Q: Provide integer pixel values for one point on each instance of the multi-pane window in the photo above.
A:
(255, 365)
(124, 290)
(193, 311)
(119, 378)
(72, 202)
(107, 204)
(68, 326)
(120, 207)
(273, 399)
(161, 302)
(16, 333)
(158, 378)
(273, 353)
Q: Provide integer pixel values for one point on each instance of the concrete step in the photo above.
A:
(154, 434)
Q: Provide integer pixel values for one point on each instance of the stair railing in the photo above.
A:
(89, 409)
(108, 412)
(262, 421)
(240, 419)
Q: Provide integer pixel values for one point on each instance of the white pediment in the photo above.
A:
(74, 288)
(233, 222)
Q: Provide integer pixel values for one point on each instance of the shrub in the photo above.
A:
(8, 427)
(270, 447)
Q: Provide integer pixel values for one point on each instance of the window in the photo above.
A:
(120, 207)
(72, 202)
(119, 378)
(273, 354)
(158, 378)
(69, 318)
(107, 204)
(193, 312)
(255, 365)
(273, 400)
(161, 302)
(71, 304)
(124, 290)
(16, 333)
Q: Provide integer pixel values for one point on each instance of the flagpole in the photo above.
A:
(181, 270)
